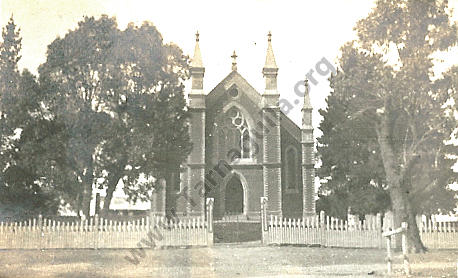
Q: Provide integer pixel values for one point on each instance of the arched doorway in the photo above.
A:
(234, 196)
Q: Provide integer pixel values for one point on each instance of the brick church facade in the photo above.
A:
(244, 148)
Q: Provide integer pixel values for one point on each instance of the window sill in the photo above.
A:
(243, 161)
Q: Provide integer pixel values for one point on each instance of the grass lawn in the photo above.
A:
(225, 260)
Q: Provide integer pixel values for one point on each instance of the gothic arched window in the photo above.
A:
(245, 147)
(291, 173)
(236, 134)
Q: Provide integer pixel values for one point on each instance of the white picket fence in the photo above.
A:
(323, 231)
(438, 235)
(101, 233)
(320, 230)
(331, 232)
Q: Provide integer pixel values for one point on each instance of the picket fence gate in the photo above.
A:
(99, 233)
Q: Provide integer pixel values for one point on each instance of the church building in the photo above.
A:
(244, 148)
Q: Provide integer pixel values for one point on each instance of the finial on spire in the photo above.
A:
(197, 59)
(234, 61)
(307, 103)
(270, 58)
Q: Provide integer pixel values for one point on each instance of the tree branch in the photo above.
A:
(425, 135)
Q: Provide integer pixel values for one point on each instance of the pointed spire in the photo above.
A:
(197, 72)
(270, 58)
(307, 103)
(234, 61)
(307, 111)
(270, 72)
(197, 60)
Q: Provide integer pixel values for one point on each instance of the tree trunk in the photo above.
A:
(107, 201)
(400, 202)
(109, 196)
(170, 193)
(403, 213)
(86, 200)
(78, 204)
(413, 234)
(113, 181)
(88, 180)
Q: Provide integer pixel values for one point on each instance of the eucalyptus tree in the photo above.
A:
(399, 113)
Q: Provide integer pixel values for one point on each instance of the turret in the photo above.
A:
(197, 72)
(308, 157)
(195, 171)
(271, 134)
(270, 72)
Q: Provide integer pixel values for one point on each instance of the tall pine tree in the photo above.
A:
(9, 75)
(24, 129)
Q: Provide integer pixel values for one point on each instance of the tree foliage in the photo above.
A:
(109, 106)
(24, 128)
(352, 170)
(120, 96)
(391, 121)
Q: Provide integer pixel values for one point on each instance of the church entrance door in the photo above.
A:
(234, 225)
(234, 196)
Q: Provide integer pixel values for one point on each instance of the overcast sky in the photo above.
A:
(303, 33)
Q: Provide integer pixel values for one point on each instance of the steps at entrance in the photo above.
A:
(226, 232)
(234, 218)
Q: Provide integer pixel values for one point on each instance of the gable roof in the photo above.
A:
(290, 126)
(234, 78)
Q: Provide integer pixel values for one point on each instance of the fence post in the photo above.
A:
(323, 228)
(388, 253)
(378, 228)
(40, 230)
(96, 231)
(405, 248)
(210, 221)
(263, 218)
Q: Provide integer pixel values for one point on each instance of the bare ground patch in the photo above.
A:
(221, 261)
